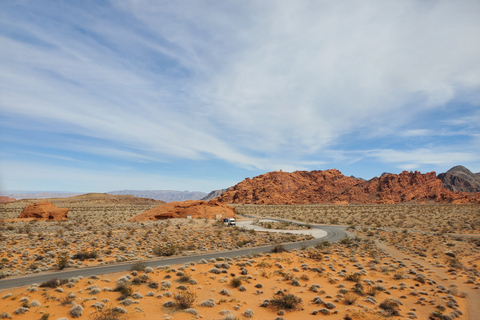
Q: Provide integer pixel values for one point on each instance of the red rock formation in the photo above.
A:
(44, 210)
(330, 186)
(182, 209)
(5, 199)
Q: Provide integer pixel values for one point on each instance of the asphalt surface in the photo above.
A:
(333, 233)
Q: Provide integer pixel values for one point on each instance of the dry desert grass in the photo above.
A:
(98, 234)
(443, 218)
(411, 272)
(349, 280)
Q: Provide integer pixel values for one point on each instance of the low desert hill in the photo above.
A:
(461, 179)
(92, 198)
(331, 186)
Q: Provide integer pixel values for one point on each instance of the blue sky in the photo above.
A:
(197, 95)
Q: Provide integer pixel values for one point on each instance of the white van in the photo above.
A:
(231, 222)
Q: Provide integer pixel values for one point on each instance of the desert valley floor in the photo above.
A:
(404, 261)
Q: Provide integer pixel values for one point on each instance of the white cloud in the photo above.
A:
(417, 157)
(258, 84)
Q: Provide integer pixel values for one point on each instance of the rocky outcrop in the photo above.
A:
(331, 186)
(400, 188)
(460, 179)
(299, 187)
(44, 210)
(184, 209)
(5, 199)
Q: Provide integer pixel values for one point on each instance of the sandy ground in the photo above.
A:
(247, 224)
(324, 278)
(378, 274)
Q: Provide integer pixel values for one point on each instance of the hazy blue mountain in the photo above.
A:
(164, 195)
(214, 194)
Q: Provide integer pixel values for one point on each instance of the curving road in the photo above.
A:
(329, 233)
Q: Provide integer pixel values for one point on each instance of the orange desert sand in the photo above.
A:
(389, 270)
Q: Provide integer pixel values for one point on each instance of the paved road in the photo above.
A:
(333, 233)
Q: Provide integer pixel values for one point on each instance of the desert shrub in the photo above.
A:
(138, 266)
(153, 285)
(184, 278)
(92, 254)
(248, 313)
(5, 315)
(76, 311)
(355, 277)
(165, 250)
(79, 256)
(185, 299)
(390, 307)
(279, 249)
(350, 298)
(208, 303)
(124, 289)
(439, 315)
(359, 289)
(322, 244)
(236, 282)
(373, 291)
(315, 255)
(454, 263)
(62, 261)
(66, 300)
(285, 302)
(45, 316)
(21, 310)
(109, 314)
(53, 283)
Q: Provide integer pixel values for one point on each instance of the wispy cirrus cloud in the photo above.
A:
(257, 85)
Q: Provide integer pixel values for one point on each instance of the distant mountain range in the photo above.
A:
(214, 194)
(164, 195)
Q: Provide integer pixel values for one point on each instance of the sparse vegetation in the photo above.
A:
(185, 299)
(285, 302)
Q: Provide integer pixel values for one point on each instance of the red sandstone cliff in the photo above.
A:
(331, 186)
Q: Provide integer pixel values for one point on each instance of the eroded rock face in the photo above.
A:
(182, 209)
(461, 179)
(331, 186)
(44, 210)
